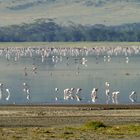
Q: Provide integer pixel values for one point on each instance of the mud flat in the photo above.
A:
(54, 115)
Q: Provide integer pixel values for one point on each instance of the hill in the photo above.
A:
(66, 12)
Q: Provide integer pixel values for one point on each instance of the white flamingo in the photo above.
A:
(8, 92)
(84, 61)
(8, 56)
(66, 94)
(34, 69)
(127, 60)
(28, 94)
(107, 91)
(104, 58)
(77, 94)
(94, 95)
(107, 88)
(69, 93)
(56, 90)
(42, 58)
(26, 90)
(132, 96)
(115, 97)
(109, 58)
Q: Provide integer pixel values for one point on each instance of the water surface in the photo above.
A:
(67, 71)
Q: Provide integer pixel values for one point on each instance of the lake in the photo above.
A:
(40, 75)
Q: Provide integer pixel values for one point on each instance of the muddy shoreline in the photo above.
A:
(61, 115)
(95, 106)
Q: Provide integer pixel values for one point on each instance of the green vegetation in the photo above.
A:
(52, 32)
(131, 129)
(90, 130)
(77, 20)
(94, 125)
(68, 44)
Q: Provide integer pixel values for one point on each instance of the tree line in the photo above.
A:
(51, 31)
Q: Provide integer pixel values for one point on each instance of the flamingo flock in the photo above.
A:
(72, 94)
(6, 94)
(57, 55)
(75, 94)
(4, 91)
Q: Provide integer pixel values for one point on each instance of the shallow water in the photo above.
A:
(66, 72)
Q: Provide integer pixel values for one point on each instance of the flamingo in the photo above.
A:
(26, 90)
(94, 94)
(28, 94)
(56, 90)
(84, 61)
(127, 60)
(104, 58)
(115, 97)
(66, 94)
(8, 92)
(107, 91)
(77, 94)
(34, 69)
(132, 96)
(109, 58)
(71, 93)
(107, 88)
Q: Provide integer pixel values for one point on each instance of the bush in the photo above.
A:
(94, 125)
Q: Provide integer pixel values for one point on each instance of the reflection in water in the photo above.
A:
(72, 93)
(56, 96)
(78, 94)
(69, 93)
(94, 95)
(115, 97)
(25, 71)
(84, 61)
(4, 93)
(26, 90)
(133, 97)
(108, 99)
(73, 71)
(107, 92)
(8, 94)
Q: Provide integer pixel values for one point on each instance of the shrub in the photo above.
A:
(94, 125)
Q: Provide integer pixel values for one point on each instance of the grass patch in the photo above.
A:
(115, 131)
(131, 129)
(94, 125)
(67, 44)
(86, 131)
(66, 134)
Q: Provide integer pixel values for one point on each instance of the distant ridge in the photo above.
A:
(85, 12)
